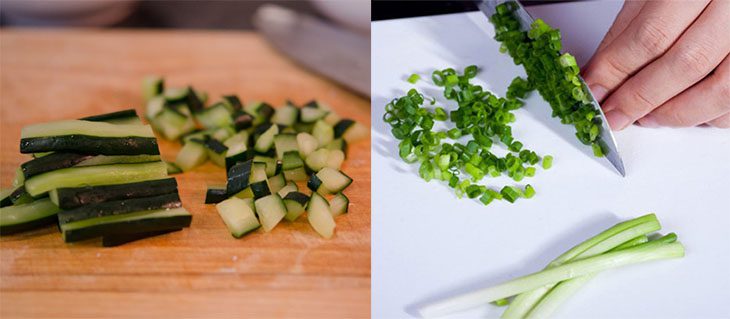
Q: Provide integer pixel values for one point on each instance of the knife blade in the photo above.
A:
(340, 55)
(489, 7)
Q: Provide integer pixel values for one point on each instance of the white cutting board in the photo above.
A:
(428, 244)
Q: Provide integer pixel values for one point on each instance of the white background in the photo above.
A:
(429, 244)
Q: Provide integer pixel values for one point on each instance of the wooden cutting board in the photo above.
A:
(201, 271)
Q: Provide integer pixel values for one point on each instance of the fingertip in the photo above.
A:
(618, 120)
(648, 121)
(599, 92)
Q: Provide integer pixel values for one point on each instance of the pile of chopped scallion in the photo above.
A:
(480, 115)
(555, 76)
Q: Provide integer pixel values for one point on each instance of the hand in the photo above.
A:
(665, 63)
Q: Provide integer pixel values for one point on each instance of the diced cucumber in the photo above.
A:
(192, 154)
(288, 188)
(237, 216)
(233, 102)
(338, 144)
(217, 115)
(154, 106)
(285, 143)
(249, 203)
(152, 86)
(173, 124)
(237, 149)
(246, 193)
(216, 151)
(329, 181)
(306, 143)
(260, 189)
(242, 120)
(215, 194)
(335, 158)
(293, 166)
(355, 133)
(238, 177)
(223, 133)
(286, 115)
(175, 94)
(266, 140)
(323, 132)
(271, 211)
(339, 204)
(295, 203)
(311, 113)
(276, 183)
(258, 172)
(270, 164)
(317, 159)
(320, 217)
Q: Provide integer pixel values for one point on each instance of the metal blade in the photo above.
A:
(489, 7)
(338, 54)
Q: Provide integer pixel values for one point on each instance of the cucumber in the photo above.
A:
(338, 144)
(284, 143)
(94, 175)
(152, 86)
(216, 151)
(72, 197)
(237, 149)
(154, 107)
(173, 124)
(295, 203)
(128, 116)
(120, 207)
(262, 112)
(85, 128)
(323, 132)
(137, 222)
(238, 216)
(91, 144)
(249, 203)
(5, 197)
(223, 133)
(197, 134)
(120, 239)
(18, 218)
(258, 172)
(335, 158)
(191, 155)
(319, 216)
(311, 113)
(276, 183)
(293, 166)
(193, 101)
(238, 177)
(215, 194)
(271, 211)
(64, 160)
(173, 169)
(20, 196)
(242, 120)
(233, 102)
(260, 189)
(286, 115)
(355, 132)
(339, 204)
(334, 181)
(19, 178)
(306, 144)
(288, 188)
(342, 126)
(218, 115)
(246, 193)
(175, 95)
(266, 140)
(270, 163)
(300, 127)
(317, 159)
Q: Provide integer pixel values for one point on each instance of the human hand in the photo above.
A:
(665, 63)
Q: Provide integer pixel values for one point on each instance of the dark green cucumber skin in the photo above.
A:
(314, 183)
(260, 189)
(131, 145)
(120, 239)
(238, 176)
(120, 207)
(33, 224)
(311, 103)
(69, 198)
(215, 146)
(239, 158)
(124, 114)
(342, 126)
(128, 227)
(265, 110)
(215, 195)
(261, 129)
(192, 100)
(52, 162)
(242, 120)
(6, 201)
(234, 102)
(298, 197)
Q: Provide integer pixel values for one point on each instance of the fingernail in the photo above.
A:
(617, 120)
(599, 92)
(648, 121)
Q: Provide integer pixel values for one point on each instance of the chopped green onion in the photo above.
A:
(414, 78)
(529, 191)
(547, 162)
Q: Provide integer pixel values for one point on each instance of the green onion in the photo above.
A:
(547, 162)
(414, 78)
(529, 191)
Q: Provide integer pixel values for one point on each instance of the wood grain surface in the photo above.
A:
(201, 271)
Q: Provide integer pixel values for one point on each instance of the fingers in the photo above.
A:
(629, 10)
(705, 102)
(654, 29)
(700, 49)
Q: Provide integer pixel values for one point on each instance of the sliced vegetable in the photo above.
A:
(238, 216)
(295, 203)
(35, 214)
(137, 222)
(271, 211)
(215, 194)
(72, 197)
(191, 155)
(120, 207)
(320, 216)
(339, 204)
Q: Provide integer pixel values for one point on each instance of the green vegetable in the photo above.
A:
(554, 75)
(414, 78)
(547, 162)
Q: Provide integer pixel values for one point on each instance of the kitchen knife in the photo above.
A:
(336, 53)
(488, 7)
